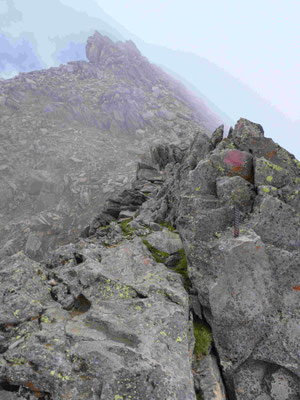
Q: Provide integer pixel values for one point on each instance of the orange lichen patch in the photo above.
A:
(74, 230)
(9, 324)
(271, 154)
(36, 317)
(36, 391)
(66, 396)
(48, 232)
(235, 171)
(86, 378)
(48, 345)
(297, 288)
(75, 313)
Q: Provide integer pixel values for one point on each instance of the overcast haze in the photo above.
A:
(256, 41)
(239, 55)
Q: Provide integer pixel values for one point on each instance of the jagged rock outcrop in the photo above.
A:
(70, 137)
(248, 286)
(168, 304)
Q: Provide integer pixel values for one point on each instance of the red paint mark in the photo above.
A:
(240, 125)
(235, 158)
(297, 288)
(257, 247)
(253, 141)
(233, 292)
(146, 261)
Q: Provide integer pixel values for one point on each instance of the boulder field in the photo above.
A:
(158, 299)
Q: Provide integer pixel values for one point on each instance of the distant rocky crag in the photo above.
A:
(70, 137)
(158, 299)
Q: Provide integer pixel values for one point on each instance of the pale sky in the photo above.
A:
(257, 41)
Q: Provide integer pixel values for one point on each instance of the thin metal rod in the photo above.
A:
(236, 221)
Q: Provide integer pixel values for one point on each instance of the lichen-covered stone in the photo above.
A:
(217, 136)
(267, 173)
(236, 191)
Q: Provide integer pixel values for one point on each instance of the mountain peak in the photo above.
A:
(99, 48)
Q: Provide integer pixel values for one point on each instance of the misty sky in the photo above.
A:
(254, 40)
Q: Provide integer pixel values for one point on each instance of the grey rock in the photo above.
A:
(165, 241)
(269, 173)
(245, 127)
(284, 386)
(246, 286)
(235, 191)
(33, 245)
(155, 227)
(208, 379)
(217, 136)
(127, 214)
(5, 395)
(127, 329)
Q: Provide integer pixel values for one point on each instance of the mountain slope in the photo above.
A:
(195, 296)
(53, 45)
(70, 136)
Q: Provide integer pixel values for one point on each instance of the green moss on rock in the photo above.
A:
(203, 338)
(168, 225)
(181, 268)
(158, 255)
(127, 230)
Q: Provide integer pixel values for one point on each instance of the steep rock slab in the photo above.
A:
(104, 322)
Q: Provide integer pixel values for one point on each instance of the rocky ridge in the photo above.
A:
(70, 137)
(158, 299)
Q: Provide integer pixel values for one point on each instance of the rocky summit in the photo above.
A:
(185, 286)
(144, 256)
(70, 137)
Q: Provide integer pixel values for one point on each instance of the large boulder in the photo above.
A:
(105, 322)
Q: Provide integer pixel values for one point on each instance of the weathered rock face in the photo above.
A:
(105, 322)
(70, 137)
(247, 286)
(138, 310)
